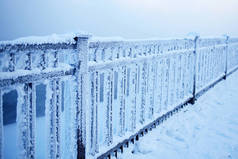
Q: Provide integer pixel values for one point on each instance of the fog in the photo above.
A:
(126, 18)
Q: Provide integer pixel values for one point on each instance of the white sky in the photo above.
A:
(126, 18)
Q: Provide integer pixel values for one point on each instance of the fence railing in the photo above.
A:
(110, 89)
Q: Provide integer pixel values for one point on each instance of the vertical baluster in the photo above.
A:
(43, 61)
(182, 77)
(1, 126)
(151, 85)
(203, 69)
(12, 62)
(133, 97)
(128, 106)
(138, 93)
(175, 78)
(92, 112)
(26, 115)
(157, 87)
(143, 92)
(109, 99)
(207, 65)
(160, 84)
(187, 74)
(211, 59)
(26, 121)
(163, 83)
(190, 74)
(116, 103)
(214, 61)
(94, 99)
(226, 55)
(53, 112)
(199, 69)
(96, 110)
(53, 106)
(197, 55)
(178, 81)
(210, 69)
(172, 81)
(148, 84)
(166, 82)
(122, 91)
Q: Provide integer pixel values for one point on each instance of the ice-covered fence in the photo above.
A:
(132, 83)
(112, 88)
(50, 60)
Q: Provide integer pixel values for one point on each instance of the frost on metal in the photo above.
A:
(26, 121)
(53, 105)
(122, 94)
(143, 92)
(113, 86)
(109, 99)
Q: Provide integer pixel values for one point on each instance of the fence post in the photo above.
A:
(192, 101)
(226, 52)
(82, 93)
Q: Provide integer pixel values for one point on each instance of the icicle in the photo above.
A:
(109, 99)
(26, 121)
(1, 126)
(53, 105)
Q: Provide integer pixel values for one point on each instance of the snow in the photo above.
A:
(52, 39)
(208, 129)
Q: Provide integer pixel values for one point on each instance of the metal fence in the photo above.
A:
(115, 87)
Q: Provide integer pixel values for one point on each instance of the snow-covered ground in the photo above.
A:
(206, 130)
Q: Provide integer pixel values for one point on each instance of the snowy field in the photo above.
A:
(207, 130)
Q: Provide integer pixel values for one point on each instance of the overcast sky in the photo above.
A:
(126, 18)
